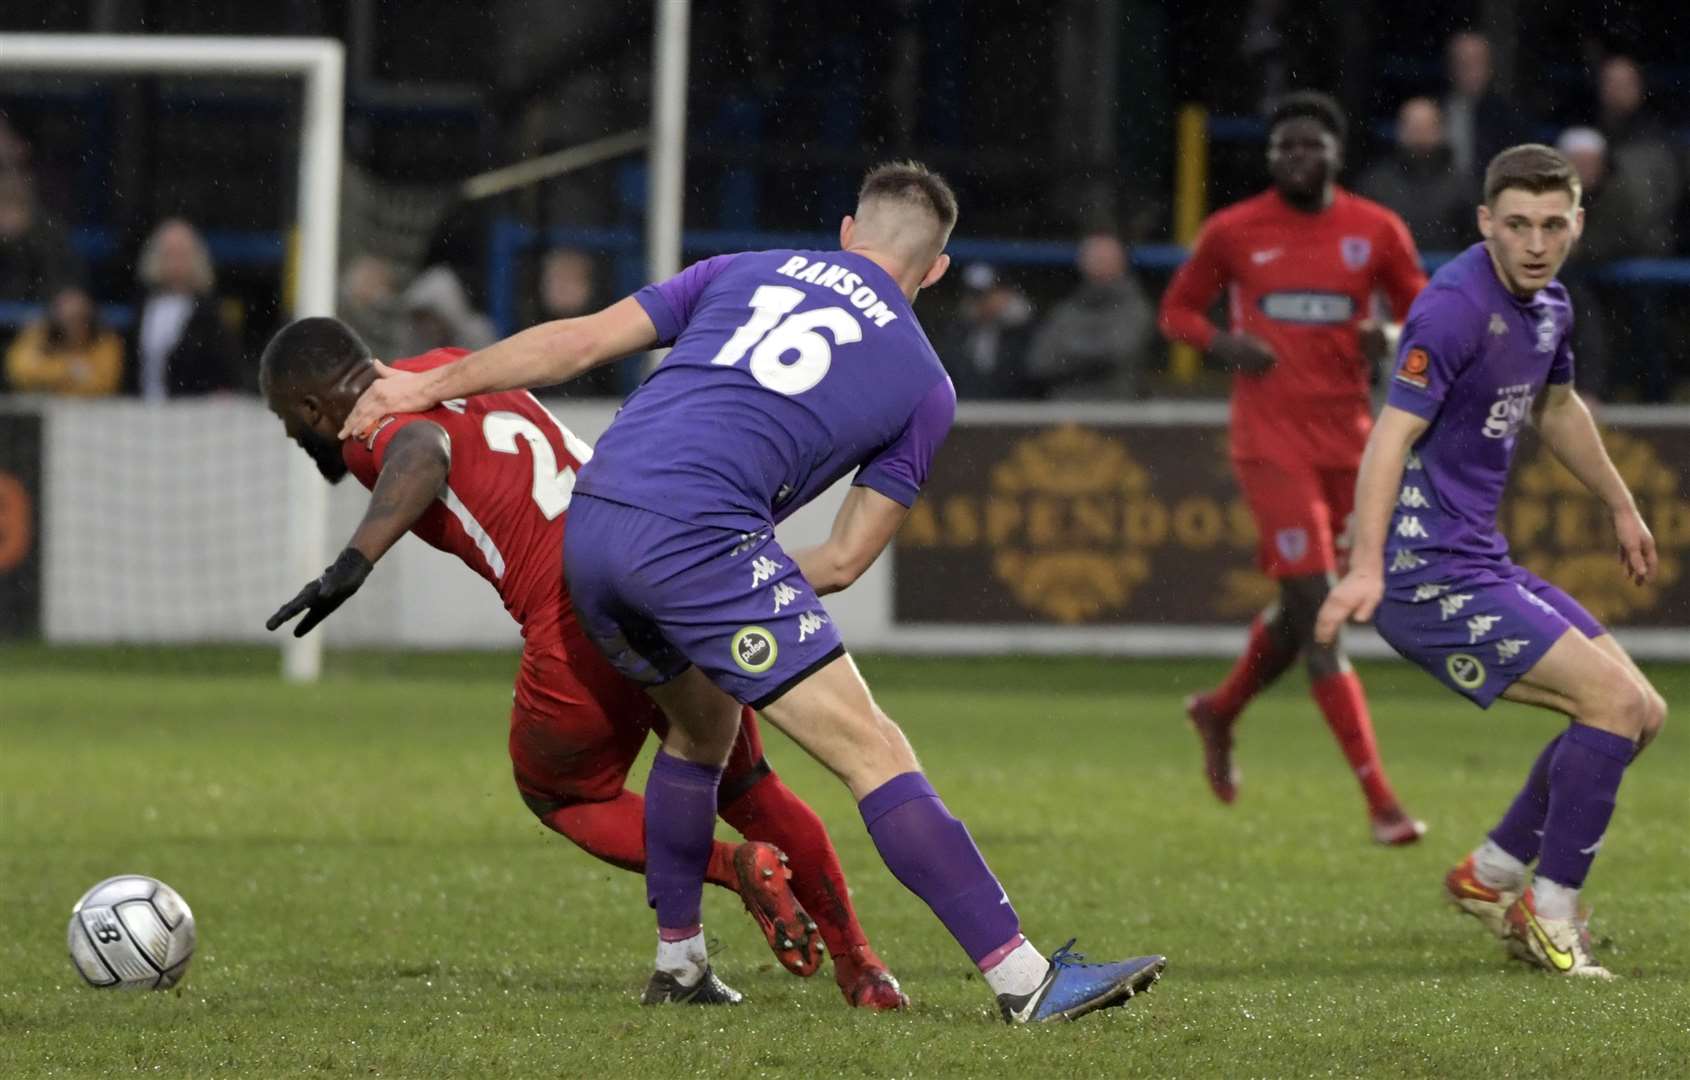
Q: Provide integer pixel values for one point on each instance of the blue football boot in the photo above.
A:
(1071, 989)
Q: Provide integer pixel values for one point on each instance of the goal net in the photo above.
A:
(189, 521)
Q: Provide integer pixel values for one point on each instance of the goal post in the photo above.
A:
(321, 64)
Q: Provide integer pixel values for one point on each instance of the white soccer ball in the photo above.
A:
(131, 932)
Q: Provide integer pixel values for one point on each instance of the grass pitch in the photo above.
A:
(373, 900)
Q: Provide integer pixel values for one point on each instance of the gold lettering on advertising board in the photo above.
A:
(1070, 520)
(1558, 530)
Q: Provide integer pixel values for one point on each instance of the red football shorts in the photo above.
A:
(1302, 516)
(577, 725)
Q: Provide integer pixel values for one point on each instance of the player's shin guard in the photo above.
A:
(1264, 660)
(767, 810)
(680, 820)
(1584, 780)
(1520, 832)
(931, 853)
(1344, 705)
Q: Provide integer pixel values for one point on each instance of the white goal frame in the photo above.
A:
(321, 63)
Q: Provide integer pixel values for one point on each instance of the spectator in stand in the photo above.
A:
(1638, 145)
(67, 351)
(35, 256)
(1479, 122)
(439, 315)
(985, 346)
(1618, 333)
(1421, 183)
(1096, 342)
(568, 287)
(181, 346)
(369, 303)
(1622, 219)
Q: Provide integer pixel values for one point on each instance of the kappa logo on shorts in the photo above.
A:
(754, 649)
(1412, 497)
(762, 569)
(1452, 604)
(1527, 594)
(1508, 648)
(1480, 625)
(747, 541)
(811, 622)
(784, 594)
(1466, 670)
(1405, 559)
(1293, 544)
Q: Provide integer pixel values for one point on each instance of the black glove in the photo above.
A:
(320, 598)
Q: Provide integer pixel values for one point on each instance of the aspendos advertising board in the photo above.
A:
(1141, 524)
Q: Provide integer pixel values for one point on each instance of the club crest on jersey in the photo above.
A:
(1293, 544)
(1546, 333)
(754, 649)
(1415, 364)
(1355, 251)
(1465, 670)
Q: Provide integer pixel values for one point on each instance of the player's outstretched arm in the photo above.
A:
(1567, 426)
(543, 355)
(865, 524)
(1358, 594)
(413, 473)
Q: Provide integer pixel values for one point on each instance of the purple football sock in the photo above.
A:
(1520, 832)
(680, 824)
(1584, 779)
(931, 853)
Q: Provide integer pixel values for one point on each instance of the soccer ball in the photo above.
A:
(131, 932)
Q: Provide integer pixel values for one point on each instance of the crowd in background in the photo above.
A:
(1097, 341)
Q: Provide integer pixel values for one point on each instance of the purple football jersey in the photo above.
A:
(1472, 359)
(789, 369)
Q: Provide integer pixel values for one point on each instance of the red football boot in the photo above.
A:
(764, 887)
(866, 983)
(1216, 735)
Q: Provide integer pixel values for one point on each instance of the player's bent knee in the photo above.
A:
(882, 753)
(1625, 709)
(1657, 715)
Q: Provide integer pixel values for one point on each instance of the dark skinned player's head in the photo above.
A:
(310, 374)
(1306, 133)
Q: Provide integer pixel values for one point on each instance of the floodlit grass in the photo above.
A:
(373, 900)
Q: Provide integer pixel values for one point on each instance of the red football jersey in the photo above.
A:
(1300, 282)
(512, 476)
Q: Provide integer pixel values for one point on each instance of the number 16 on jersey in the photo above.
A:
(775, 332)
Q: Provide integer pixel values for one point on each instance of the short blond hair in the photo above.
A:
(914, 183)
(147, 268)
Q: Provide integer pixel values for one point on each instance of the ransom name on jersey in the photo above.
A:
(1315, 308)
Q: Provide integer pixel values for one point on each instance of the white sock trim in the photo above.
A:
(1497, 869)
(685, 959)
(1020, 972)
(1554, 900)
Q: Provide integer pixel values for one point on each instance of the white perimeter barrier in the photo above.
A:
(1044, 530)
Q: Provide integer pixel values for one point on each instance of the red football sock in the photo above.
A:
(1345, 706)
(1264, 660)
(614, 830)
(770, 812)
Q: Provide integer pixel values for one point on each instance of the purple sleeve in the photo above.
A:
(1439, 340)
(899, 471)
(1561, 368)
(670, 303)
